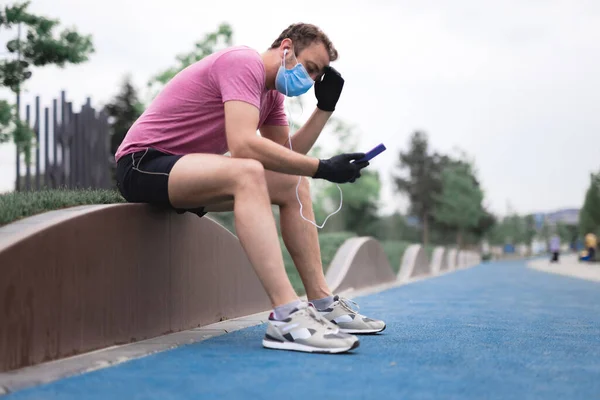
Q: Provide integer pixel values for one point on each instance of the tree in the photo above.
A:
(459, 203)
(123, 111)
(41, 47)
(485, 225)
(589, 216)
(395, 227)
(423, 182)
(211, 42)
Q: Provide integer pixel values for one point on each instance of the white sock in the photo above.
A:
(322, 304)
(283, 311)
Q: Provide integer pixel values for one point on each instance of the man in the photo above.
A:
(555, 247)
(173, 155)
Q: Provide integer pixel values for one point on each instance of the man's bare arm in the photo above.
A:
(305, 138)
(241, 120)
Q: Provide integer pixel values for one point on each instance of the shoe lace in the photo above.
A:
(347, 306)
(318, 317)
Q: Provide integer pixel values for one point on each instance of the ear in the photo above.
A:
(286, 44)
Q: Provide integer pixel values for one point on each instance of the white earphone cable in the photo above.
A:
(291, 124)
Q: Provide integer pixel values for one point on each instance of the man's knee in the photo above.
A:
(285, 190)
(250, 172)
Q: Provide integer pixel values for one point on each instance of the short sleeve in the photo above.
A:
(277, 114)
(240, 75)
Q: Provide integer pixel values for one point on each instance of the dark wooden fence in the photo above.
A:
(75, 151)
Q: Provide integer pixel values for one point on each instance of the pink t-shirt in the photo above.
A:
(188, 116)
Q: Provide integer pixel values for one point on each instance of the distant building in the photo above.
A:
(567, 216)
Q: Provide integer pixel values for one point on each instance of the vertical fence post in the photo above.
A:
(70, 130)
(47, 167)
(28, 163)
(55, 138)
(37, 142)
(79, 148)
(64, 136)
(88, 141)
(76, 147)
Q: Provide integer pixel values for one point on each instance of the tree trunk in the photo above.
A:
(459, 239)
(425, 230)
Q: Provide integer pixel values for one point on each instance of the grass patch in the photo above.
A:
(395, 250)
(17, 205)
(429, 250)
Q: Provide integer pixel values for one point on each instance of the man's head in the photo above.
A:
(300, 43)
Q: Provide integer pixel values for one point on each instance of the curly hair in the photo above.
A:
(303, 35)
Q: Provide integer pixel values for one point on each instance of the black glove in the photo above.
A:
(329, 89)
(340, 168)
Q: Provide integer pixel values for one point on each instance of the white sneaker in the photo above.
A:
(348, 320)
(306, 330)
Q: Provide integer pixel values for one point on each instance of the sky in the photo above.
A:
(512, 83)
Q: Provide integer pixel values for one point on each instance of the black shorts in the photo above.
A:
(143, 177)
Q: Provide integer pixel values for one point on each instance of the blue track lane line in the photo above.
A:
(496, 331)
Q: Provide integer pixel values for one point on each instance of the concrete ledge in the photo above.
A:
(452, 259)
(414, 263)
(462, 259)
(438, 261)
(91, 277)
(469, 258)
(359, 263)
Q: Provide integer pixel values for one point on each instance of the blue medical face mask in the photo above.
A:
(293, 82)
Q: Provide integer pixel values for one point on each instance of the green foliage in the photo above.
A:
(41, 46)
(516, 229)
(124, 109)
(360, 199)
(394, 227)
(424, 175)
(423, 181)
(395, 249)
(23, 137)
(567, 233)
(17, 205)
(589, 216)
(6, 112)
(459, 204)
(359, 209)
(211, 42)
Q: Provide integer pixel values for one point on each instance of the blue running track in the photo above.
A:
(496, 331)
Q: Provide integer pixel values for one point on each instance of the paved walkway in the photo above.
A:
(496, 331)
(570, 266)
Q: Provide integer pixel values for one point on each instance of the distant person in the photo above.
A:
(174, 156)
(591, 243)
(555, 247)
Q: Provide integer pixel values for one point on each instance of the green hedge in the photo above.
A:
(395, 250)
(18, 205)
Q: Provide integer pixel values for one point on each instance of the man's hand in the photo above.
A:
(341, 169)
(329, 89)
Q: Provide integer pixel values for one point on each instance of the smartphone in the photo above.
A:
(372, 153)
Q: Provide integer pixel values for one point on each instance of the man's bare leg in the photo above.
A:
(300, 237)
(202, 179)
